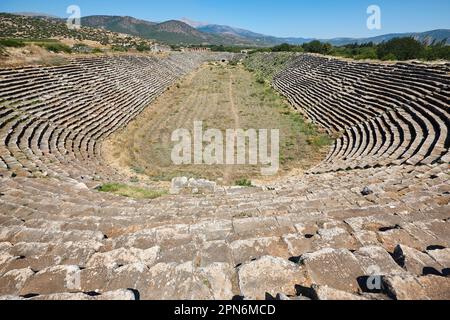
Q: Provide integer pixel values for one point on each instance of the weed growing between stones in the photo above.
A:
(130, 191)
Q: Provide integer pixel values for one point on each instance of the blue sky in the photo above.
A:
(299, 18)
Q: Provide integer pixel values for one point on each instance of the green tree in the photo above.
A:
(141, 47)
(401, 48)
(285, 47)
(437, 51)
(317, 47)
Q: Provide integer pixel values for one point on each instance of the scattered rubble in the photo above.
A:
(184, 185)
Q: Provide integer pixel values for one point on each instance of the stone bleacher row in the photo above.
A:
(52, 118)
(385, 114)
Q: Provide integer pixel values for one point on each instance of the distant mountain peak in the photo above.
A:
(194, 24)
(177, 26)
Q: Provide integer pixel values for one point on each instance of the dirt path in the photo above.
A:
(223, 97)
(228, 170)
(234, 111)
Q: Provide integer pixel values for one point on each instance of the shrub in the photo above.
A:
(56, 47)
(435, 52)
(317, 47)
(142, 47)
(389, 57)
(119, 49)
(3, 51)
(401, 48)
(12, 43)
(138, 170)
(285, 47)
(82, 48)
(260, 79)
(367, 53)
(244, 183)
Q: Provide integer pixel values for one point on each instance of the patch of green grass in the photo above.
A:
(119, 49)
(130, 191)
(15, 43)
(138, 170)
(207, 283)
(243, 215)
(260, 79)
(33, 40)
(320, 140)
(243, 183)
(300, 124)
(55, 47)
(314, 137)
(36, 101)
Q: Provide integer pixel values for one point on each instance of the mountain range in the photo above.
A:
(186, 31)
(172, 32)
(427, 37)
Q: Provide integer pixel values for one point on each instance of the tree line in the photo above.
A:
(394, 49)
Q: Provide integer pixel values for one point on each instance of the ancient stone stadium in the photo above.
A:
(380, 198)
(368, 219)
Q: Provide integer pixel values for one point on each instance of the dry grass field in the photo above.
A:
(223, 97)
(31, 55)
